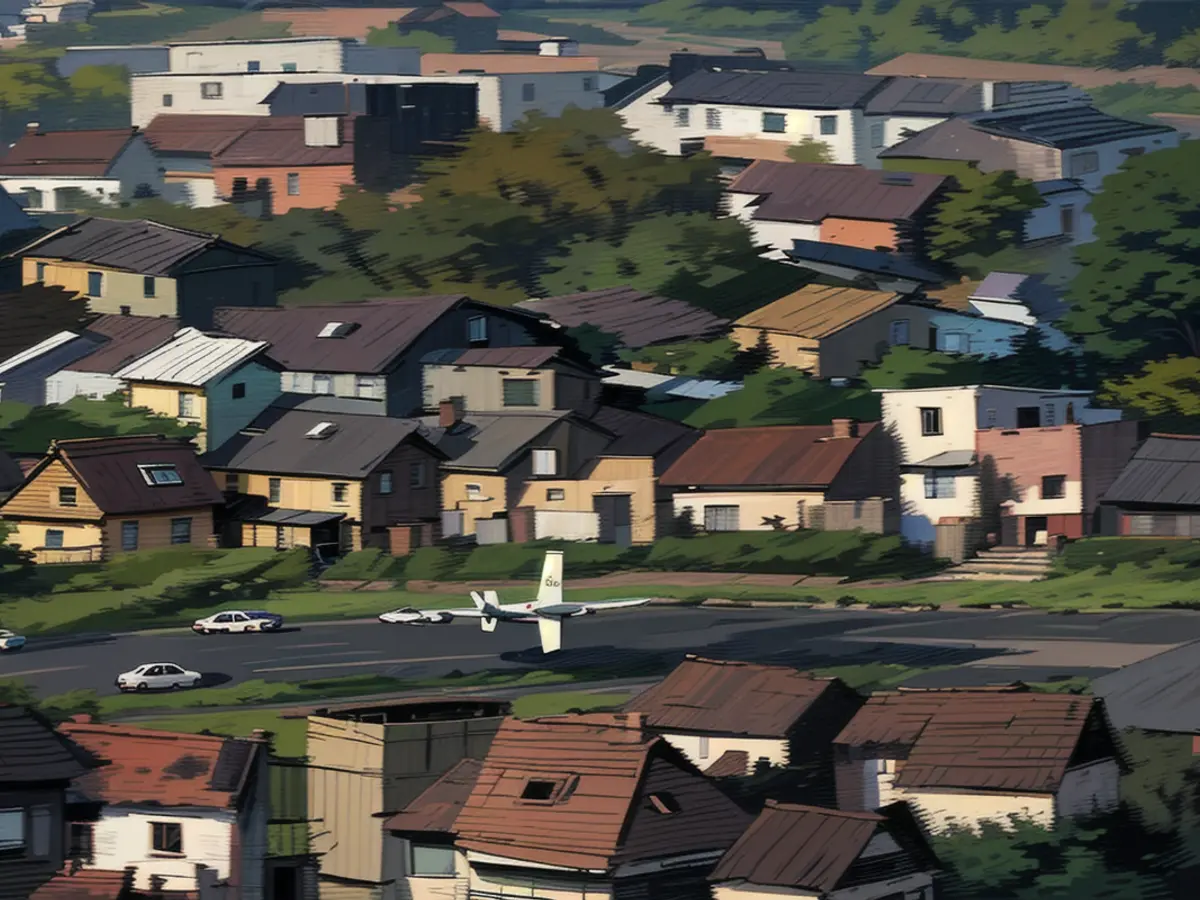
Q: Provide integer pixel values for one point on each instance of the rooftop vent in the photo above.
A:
(897, 178)
(321, 430)
(337, 329)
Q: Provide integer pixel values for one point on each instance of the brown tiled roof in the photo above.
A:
(84, 153)
(505, 63)
(1012, 740)
(437, 808)
(637, 318)
(729, 698)
(471, 9)
(162, 767)
(766, 456)
(810, 192)
(279, 141)
(338, 22)
(730, 764)
(125, 338)
(199, 135)
(87, 884)
(31, 751)
(818, 311)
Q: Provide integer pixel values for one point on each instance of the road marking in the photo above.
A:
(43, 671)
(312, 646)
(374, 662)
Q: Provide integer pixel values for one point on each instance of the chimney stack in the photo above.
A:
(451, 411)
(33, 128)
(845, 428)
(81, 719)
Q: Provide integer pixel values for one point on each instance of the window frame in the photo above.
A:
(58, 543)
(477, 329)
(212, 90)
(722, 515)
(589, 82)
(900, 332)
(166, 830)
(534, 385)
(712, 118)
(528, 92)
(1083, 162)
(287, 67)
(774, 118)
(95, 279)
(1060, 493)
(254, 65)
(87, 854)
(931, 421)
(237, 391)
(385, 484)
(39, 269)
(340, 492)
(274, 490)
(413, 872)
(128, 527)
(324, 379)
(683, 117)
(543, 454)
(935, 485)
(168, 100)
(149, 287)
(292, 182)
(66, 491)
(147, 471)
(20, 846)
(554, 495)
(418, 476)
(177, 525)
(823, 123)
(187, 405)
(878, 135)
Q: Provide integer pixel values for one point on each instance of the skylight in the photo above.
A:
(337, 329)
(664, 803)
(160, 474)
(321, 430)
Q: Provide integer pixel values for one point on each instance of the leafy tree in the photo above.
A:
(25, 85)
(908, 367)
(810, 150)
(983, 214)
(1167, 390)
(100, 83)
(80, 417)
(425, 41)
(599, 346)
(785, 397)
(1185, 51)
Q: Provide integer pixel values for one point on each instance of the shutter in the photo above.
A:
(40, 818)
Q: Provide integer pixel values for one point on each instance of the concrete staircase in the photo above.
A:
(1001, 564)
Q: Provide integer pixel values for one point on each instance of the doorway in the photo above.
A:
(1037, 530)
(615, 512)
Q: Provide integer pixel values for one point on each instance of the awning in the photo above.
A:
(950, 459)
(300, 518)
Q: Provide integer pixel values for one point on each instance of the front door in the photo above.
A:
(616, 518)
(1036, 530)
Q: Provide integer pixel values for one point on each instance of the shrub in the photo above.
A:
(432, 563)
(371, 564)
(524, 561)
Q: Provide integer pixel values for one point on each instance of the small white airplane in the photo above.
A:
(547, 611)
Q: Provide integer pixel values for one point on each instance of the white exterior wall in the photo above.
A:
(704, 751)
(777, 236)
(123, 837)
(895, 130)
(941, 810)
(753, 506)
(321, 55)
(1046, 222)
(566, 525)
(62, 386)
(902, 417)
(919, 514)
(105, 190)
(533, 880)
(649, 120)
(553, 92)
(918, 886)
(1111, 156)
(1090, 788)
(137, 165)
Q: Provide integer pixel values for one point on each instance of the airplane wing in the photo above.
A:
(602, 605)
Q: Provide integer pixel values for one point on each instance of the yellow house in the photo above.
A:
(144, 268)
(92, 498)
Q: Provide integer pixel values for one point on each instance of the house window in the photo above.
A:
(95, 284)
(181, 531)
(322, 384)
(556, 494)
(702, 751)
(939, 486)
(827, 124)
(474, 491)
(1083, 163)
(12, 830)
(129, 536)
(858, 509)
(528, 92)
(288, 67)
(876, 135)
(520, 392)
(34, 200)
(545, 462)
(365, 386)
(589, 82)
(477, 329)
(385, 482)
(82, 842)
(166, 837)
(1029, 417)
(293, 184)
(931, 420)
(274, 490)
(211, 90)
(955, 342)
(148, 286)
(774, 123)
(41, 271)
(341, 492)
(416, 475)
(187, 405)
(163, 474)
(683, 117)
(431, 860)
(54, 539)
(253, 65)
(538, 791)
(68, 496)
(168, 100)
(899, 333)
(721, 518)
(1054, 487)
(238, 390)
(712, 119)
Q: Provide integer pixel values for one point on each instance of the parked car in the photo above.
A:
(158, 677)
(235, 621)
(10, 642)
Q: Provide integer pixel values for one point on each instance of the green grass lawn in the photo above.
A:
(289, 733)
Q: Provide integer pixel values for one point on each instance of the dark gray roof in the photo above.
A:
(954, 139)
(137, 245)
(356, 446)
(1161, 693)
(233, 760)
(31, 751)
(325, 99)
(927, 97)
(783, 90)
(1165, 471)
(641, 434)
(255, 509)
(515, 357)
(874, 262)
(489, 442)
(1065, 127)
(637, 318)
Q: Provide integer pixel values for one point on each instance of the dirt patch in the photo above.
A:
(655, 45)
(934, 65)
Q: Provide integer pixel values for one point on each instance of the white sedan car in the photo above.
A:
(236, 622)
(10, 642)
(158, 676)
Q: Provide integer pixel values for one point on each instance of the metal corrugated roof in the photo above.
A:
(1156, 694)
(782, 90)
(438, 806)
(637, 318)
(64, 153)
(1067, 126)
(490, 442)
(949, 459)
(34, 751)
(874, 262)
(192, 358)
(125, 338)
(927, 97)
(39, 349)
(818, 311)
(1165, 471)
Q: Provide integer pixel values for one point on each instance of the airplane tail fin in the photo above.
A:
(477, 599)
(550, 590)
(550, 631)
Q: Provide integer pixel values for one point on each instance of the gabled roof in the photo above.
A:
(196, 134)
(804, 192)
(955, 139)
(1165, 471)
(637, 318)
(871, 262)
(738, 698)
(777, 90)
(990, 740)
(766, 456)
(37, 350)
(927, 97)
(31, 751)
(163, 768)
(491, 441)
(818, 311)
(639, 434)
(66, 153)
(1065, 127)
(122, 340)
(108, 470)
(436, 809)
(135, 245)
(280, 141)
(811, 849)
(192, 358)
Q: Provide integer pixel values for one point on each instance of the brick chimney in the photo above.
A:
(81, 719)
(844, 428)
(451, 411)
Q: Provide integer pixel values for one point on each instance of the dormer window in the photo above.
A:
(160, 474)
(547, 790)
(321, 430)
(337, 329)
(477, 330)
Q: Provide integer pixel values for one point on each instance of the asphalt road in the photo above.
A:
(984, 647)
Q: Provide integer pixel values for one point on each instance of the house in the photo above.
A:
(812, 853)
(1154, 494)
(144, 268)
(185, 146)
(884, 270)
(949, 492)
(36, 771)
(834, 477)
(1063, 216)
(170, 801)
(907, 106)
(365, 761)
(52, 12)
(372, 350)
(588, 805)
(219, 384)
(23, 375)
(638, 319)
(471, 26)
(719, 712)
(963, 757)
(986, 318)
(59, 171)
(510, 378)
(319, 472)
(781, 202)
(113, 342)
(91, 498)
(833, 332)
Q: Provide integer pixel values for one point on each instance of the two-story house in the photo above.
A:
(220, 384)
(92, 498)
(36, 769)
(325, 473)
(185, 146)
(144, 268)
(510, 378)
(374, 350)
(171, 801)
